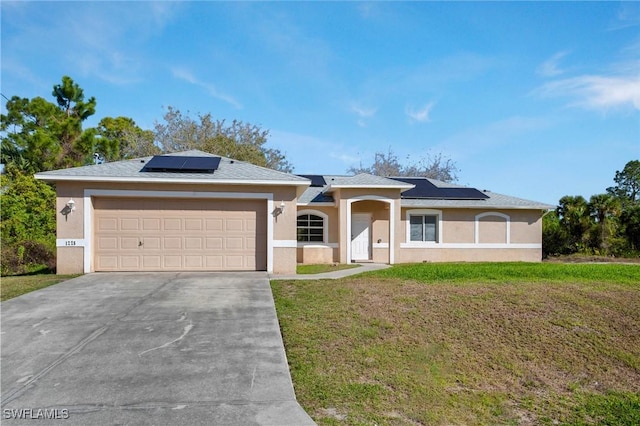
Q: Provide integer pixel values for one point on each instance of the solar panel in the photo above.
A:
(425, 189)
(182, 164)
(322, 198)
(316, 180)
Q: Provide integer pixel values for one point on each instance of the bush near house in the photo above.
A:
(28, 226)
(607, 224)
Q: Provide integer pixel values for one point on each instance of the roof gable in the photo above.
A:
(229, 171)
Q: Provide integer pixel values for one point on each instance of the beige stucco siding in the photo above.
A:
(71, 227)
(473, 235)
(492, 229)
(416, 255)
(458, 226)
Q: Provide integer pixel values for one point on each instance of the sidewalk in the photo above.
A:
(334, 275)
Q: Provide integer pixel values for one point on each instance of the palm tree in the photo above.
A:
(574, 217)
(604, 210)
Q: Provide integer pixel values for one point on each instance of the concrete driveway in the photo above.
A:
(147, 348)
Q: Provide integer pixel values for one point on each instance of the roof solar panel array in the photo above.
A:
(316, 180)
(425, 189)
(182, 164)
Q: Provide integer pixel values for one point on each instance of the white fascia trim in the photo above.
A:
(405, 187)
(88, 212)
(169, 180)
(422, 246)
(478, 207)
(318, 245)
(506, 217)
(316, 204)
(285, 243)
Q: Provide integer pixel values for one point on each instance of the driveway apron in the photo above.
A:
(147, 348)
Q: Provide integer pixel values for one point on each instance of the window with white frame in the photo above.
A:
(311, 228)
(423, 228)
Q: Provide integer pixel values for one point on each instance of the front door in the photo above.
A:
(360, 230)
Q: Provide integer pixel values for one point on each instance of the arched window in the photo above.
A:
(311, 228)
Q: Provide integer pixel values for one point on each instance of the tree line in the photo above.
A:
(40, 135)
(608, 224)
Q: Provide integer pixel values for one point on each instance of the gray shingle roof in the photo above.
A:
(364, 180)
(495, 201)
(229, 171)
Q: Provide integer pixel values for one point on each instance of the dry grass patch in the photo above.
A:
(398, 350)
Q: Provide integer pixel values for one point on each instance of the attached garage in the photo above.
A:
(186, 211)
(179, 234)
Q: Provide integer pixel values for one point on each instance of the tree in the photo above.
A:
(39, 135)
(436, 167)
(120, 139)
(604, 210)
(628, 183)
(630, 223)
(28, 226)
(573, 212)
(554, 236)
(238, 140)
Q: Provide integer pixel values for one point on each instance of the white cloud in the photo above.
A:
(420, 115)
(102, 39)
(597, 92)
(550, 67)
(186, 75)
(363, 113)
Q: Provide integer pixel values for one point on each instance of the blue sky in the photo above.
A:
(535, 99)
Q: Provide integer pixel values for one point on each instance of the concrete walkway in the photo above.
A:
(147, 349)
(334, 275)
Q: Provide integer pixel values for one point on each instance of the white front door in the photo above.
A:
(360, 229)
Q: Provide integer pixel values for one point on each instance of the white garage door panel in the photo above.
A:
(173, 235)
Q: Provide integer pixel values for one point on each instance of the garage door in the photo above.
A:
(179, 235)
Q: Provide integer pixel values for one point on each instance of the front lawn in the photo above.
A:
(512, 343)
(323, 267)
(11, 287)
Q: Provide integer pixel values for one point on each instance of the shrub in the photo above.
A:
(26, 257)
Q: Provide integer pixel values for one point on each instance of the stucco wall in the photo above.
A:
(473, 235)
(312, 254)
(284, 260)
(418, 255)
(71, 226)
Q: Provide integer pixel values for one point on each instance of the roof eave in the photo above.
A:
(402, 187)
(55, 178)
(492, 206)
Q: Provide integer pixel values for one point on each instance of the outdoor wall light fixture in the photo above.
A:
(282, 207)
(71, 205)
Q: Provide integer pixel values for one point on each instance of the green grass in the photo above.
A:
(321, 268)
(514, 272)
(15, 286)
(512, 343)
